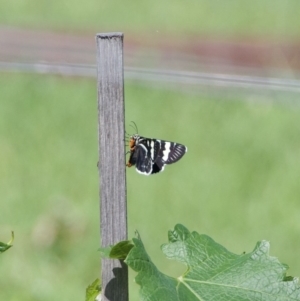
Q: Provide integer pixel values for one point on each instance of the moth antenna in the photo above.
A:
(135, 127)
(132, 126)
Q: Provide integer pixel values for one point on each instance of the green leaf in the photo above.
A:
(213, 273)
(105, 251)
(6, 246)
(121, 249)
(93, 290)
(118, 251)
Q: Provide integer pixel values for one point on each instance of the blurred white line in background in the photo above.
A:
(183, 78)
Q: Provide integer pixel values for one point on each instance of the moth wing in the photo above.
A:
(170, 152)
(175, 151)
(143, 163)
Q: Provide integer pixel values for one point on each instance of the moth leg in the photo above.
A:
(128, 164)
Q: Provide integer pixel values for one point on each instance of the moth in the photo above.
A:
(151, 155)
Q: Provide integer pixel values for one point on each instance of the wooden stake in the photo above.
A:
(113, 207)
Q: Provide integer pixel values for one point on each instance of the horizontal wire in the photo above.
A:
(162, 76)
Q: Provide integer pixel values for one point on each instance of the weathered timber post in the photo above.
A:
(113, 209)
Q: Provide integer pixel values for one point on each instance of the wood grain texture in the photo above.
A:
(113, 207)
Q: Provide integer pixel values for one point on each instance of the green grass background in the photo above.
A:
(238, 183)
(175, 17)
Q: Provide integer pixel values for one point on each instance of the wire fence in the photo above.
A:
(161, 76)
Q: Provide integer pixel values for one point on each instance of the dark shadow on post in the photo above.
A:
(112, 291)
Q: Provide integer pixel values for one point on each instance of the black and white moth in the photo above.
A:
(151, 155)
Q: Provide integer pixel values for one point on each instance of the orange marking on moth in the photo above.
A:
(131, 144)
(132, 147)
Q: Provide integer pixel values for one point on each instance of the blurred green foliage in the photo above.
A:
(239, 181)
(5, 246)
(232, 17)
